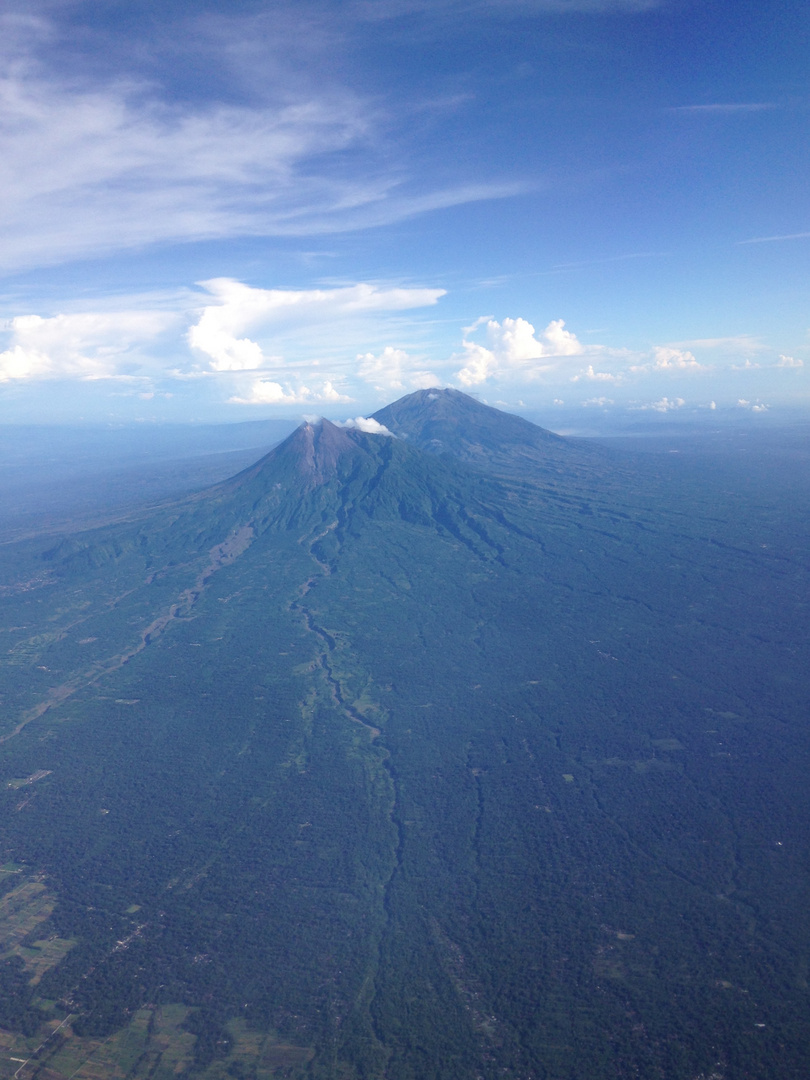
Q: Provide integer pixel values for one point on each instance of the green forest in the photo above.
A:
(467, 753)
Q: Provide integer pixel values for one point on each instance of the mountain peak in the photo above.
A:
(437, 415)
(447, 421)
(316, 448)
(310, 456)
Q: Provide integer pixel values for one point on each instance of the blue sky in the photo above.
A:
(225, 212)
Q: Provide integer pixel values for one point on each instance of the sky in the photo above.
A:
(218, 212)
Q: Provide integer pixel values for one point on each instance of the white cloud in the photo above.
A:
(90, 167)
(112, 168)
(663, 405)
(665, 357)
(728, 107)
(299, 344)
(219, 331)
(668, 358)
(329, 393)
(790, 362)
(88, 345)
(365, 423)
(480, 364)
(739, 343)
(596, 376)
(513, 347)
(752, 406)
(775, 239)
(423, 380)
(267, 392)
(387, 9)
(395, 369)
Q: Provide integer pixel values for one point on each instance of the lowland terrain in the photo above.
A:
(464, 751)
(71, 478)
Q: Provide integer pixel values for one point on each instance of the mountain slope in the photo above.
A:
(370, 762)
(450, 422)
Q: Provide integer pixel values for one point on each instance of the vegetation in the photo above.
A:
(374, 762)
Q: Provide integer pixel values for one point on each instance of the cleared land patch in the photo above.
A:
(22, 911)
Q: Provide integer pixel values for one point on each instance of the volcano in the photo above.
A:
(453, 750)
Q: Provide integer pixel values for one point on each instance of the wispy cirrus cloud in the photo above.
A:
(95, 163)
(610, 259)
(377, 10)
(775, 239)
(86, 172)
(732, 343)
(725, 107)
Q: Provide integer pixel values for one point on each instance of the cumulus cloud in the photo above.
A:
(752, 406)
(298, 344)
(513, 346)
(365, 423)
(394, 369)
(596, 376)
(790, 362)
(666, 357)
(669, 358)
(663, 405)
(220, 332)
(268, 392)
(88, 345)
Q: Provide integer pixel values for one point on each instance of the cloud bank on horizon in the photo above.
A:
(351, 185)
(277, 347)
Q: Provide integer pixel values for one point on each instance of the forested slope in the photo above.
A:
(386, 759)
